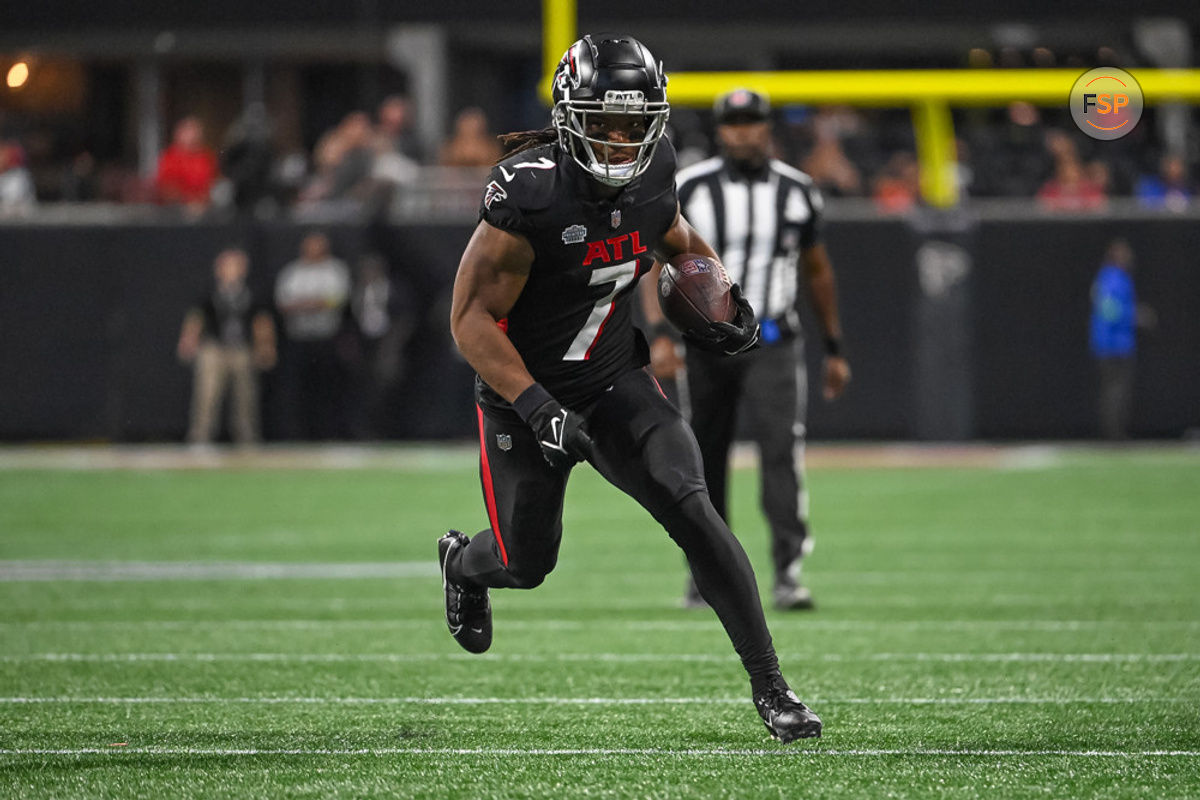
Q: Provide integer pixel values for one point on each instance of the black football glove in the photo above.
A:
(730, 338)
(560, 433)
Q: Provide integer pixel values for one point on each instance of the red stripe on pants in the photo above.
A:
(489, 492)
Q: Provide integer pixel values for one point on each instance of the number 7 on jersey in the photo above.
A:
(618, 276)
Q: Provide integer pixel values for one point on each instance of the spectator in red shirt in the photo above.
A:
(186, 169)
(1073, 189)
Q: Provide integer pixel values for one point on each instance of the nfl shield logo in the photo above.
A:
(504, 441)
(615, 218)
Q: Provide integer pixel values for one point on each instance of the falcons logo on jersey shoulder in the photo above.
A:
(494, 194)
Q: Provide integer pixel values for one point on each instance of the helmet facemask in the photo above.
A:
(571, 119)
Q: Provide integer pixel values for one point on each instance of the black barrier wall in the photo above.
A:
(951, 335)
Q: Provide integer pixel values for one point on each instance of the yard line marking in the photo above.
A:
(1052, 626)
(110, 571)
(445, 456)
(458, 456)
(579, 701)
(66, 570)
(619, 658)
(793, 752)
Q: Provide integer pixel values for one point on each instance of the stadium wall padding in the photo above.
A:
(89, 318)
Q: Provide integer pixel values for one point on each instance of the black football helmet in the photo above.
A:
(609, 74)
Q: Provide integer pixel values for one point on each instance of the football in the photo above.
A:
(693, 291)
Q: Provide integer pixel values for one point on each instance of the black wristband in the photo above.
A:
(531, 400)
(833, 346)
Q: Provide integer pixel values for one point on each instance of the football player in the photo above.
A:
(570, 220)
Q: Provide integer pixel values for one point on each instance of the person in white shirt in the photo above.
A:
(311, 295)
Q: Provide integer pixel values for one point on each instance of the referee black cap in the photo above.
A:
(742, 105)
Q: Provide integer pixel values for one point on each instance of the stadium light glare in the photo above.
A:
(18, 74)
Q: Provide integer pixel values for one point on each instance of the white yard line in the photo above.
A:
(441, 457)
(793, 752)
(578, 701)
(708, 623)
(57, 570)
(445, 456)
(114, 570)
(130, 571)
(1101, 658)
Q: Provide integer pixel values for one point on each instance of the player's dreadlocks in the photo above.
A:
(520, 141)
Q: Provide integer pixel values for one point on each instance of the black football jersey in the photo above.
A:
(572, 323)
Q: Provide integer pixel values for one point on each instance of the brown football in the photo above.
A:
(693, 291)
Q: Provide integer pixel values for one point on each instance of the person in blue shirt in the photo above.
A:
(1113, 345)
(1169, 188)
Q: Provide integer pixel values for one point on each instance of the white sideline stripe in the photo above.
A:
(58, 570)
(792, 752)
(580, 701)
(111, 570)
(443, 456)
(1102, 658)
(1051, 626)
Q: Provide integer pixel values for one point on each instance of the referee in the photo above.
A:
(763, 217)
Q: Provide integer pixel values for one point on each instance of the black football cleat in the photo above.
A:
(786, 718)
(468, 611)
(793, 598)
(790, 594)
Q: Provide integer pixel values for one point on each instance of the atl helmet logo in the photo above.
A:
(1106, 103)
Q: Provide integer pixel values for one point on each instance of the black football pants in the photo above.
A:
(770, 384)
(643, 447)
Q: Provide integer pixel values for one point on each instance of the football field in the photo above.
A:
(1015, 622)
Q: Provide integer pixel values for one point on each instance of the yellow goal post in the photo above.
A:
(929, 94)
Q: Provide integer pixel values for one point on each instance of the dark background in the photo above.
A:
(90, 315)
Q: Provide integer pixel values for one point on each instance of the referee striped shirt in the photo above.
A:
(758, 224)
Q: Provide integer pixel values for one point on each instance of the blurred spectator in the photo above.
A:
(229, 336)
(395, 147)
(827, 163)
(831, 169)
(247, 159)
(186, 169)
(687, 134)
(1071, 189)
(964, 170)
(471, 145)
(898, 186)
(1113, 323)
(311, 295)
(1169, 189)
(1060, 146)
(80, 180)
(1098, 175)
(382, 310)
(343, 159)
(17, 195)
(289, 175)
(1009, 156)
(394, 133)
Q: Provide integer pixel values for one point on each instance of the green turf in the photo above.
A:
(981, 633)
